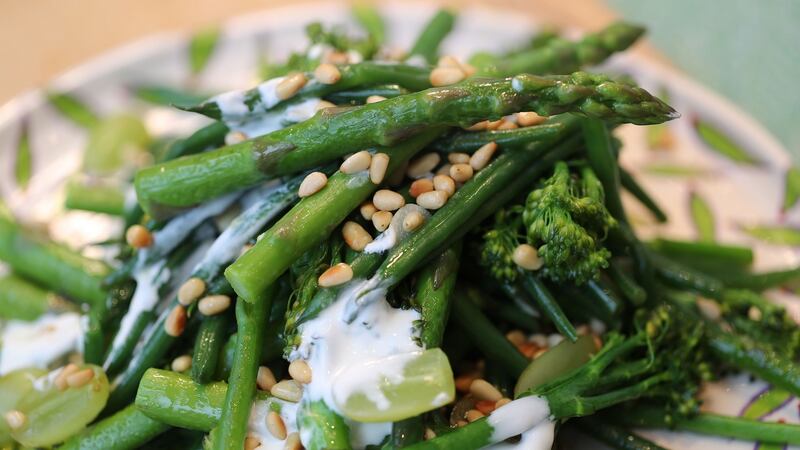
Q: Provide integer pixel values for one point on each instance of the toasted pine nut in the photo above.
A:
(15, 419)
(494, 124)
(473, 415)
(529, 118)
(458, 158)
(289, 86)
(377, 168)
(388, 200)
(420, 186)
(312, 183)
(444, 170)
(339, 274)
(191, 290)
(61, 379)
(413, 220)
(288, 390)
(507, 125)
(375, 99)
(300, 371)
(355, 236)
(138, 236)
(482, 156)
(275, 425)
(429, 434)
(381, 220)
(445, 184)
(448, 61)
(463, 382)
(367, 209)
(265, 378)
(235, 137)
(423, 165)
(181, 363)
(539, 339)
(251, 443)
(479, 126)
(176, 321)
(432, 199)
(213, 304)
(468, 69)
(483, 390)
(516, 337)
(336, 58)
(461, 172)
(80, 378)
(502, 402)
(754, 314)
(293, 442)
(461, 423)
(485, 406)
(327, 73)
(324, 104)
(356, 162)
(709, 308)
(527, 257)
(445, 76)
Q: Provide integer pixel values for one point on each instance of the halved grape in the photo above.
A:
(376, 392)
(13, 386)
(559, 360)
(53, 415)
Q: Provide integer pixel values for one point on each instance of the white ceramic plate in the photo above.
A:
(737, 194)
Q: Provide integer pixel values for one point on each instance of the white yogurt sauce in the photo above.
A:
(395, 232)
(257, 424)
(331, 346)
(39, 343)
(539, 437)
(518, 417)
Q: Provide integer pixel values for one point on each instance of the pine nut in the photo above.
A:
(461, 423)
(502, 402)
(432, 199)
(293, 442)
(461, 172)
(463, 382)
(265, 378)
(473, 415)
(445, 184)
(423, 165)
(191, 290)
(482, 390)
(181, 363)
(458, 158)
(444, 169)
(324, 104)
(287, 390)
(388, 200)
(15, 419)
(300, 371)
(312, 183)
(378, 167)
(336, 58)
(80, 378)
(356, 163)
(367, 209)
(381, 220)
(468, 69)
(213, 304)
(482, 156)
(527, 257)
(276, 426)
(448, 61)
(327, 73)
(339, 274)
(420, 186)
(429, 434)
(445, 76)
(138, 236)
(529, 118)
(355, 236)
(507, 125)
(61, 379)
(485, 406)
(289, 86)
(709, 308)
(176, 321)
(754, 314)
(516, 337)
(492, 125)
(479, 126)
(413, 220)
(235, 137)
(539, 339)
(251, 443)
(375, 99)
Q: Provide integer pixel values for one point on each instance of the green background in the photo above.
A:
(748, 51)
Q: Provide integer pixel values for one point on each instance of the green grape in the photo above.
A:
(559, 360)
(426, 384)
(53, 415)
(13, 386)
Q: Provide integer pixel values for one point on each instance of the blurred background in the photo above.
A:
(748, 51)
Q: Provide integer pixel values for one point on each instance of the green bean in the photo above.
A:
(434, 294)
(22, 300)
(90, 195)
(603, 162)
(468, 142)
(548, 305)
(176, 400)
(724, 255)
(127, 429)
(432, 35)
(612, 435)
(682, 277)
(207, 347)
(360, 96)
(629, 183)
(369, 19)
(627, 285)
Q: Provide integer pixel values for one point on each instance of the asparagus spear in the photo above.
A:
(166, 188)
